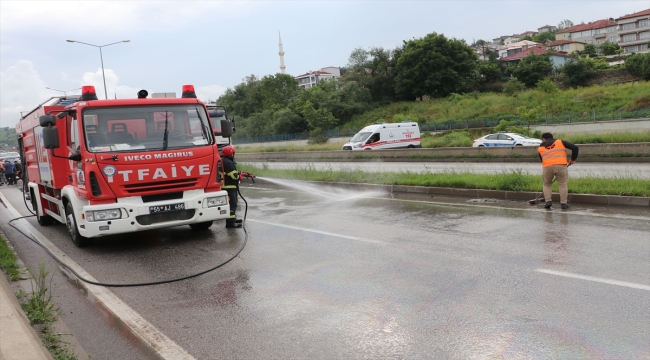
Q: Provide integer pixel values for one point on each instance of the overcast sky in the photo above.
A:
(215, 44)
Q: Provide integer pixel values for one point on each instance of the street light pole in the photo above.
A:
(101, 57)
(63, 91)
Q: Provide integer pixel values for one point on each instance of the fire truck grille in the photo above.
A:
(165, 217)
(347, 148)
(177, 184)
(162, 197)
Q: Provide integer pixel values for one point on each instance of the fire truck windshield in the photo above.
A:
(138, 128)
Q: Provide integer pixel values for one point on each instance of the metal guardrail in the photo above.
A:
(553, 118)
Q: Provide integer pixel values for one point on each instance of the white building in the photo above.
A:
(514, 48)
(314, 77)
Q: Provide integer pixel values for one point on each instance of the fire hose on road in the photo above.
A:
(64, 265)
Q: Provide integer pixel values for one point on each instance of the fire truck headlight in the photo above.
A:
(102, 215)
(356, 145)
(216, 201)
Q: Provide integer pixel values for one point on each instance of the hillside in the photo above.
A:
(8, 136)
(495, 105)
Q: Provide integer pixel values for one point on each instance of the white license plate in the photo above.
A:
(166, 208)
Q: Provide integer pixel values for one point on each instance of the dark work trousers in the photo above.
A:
(11, 179)
(232, 194)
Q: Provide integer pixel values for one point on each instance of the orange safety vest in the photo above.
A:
(555, 154)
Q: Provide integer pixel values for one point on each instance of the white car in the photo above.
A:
(505, 139)
(11, 156)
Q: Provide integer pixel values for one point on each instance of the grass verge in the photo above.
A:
(510, 181)
(8, 261)
(41, 311)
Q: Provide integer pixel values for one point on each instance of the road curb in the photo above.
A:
(614, 200)
(119, 313)
(18, 339)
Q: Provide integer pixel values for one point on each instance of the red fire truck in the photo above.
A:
(106, 167)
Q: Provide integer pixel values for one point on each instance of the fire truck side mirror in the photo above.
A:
(50, 137)
(226, 128)
(75, 157)
(46, 120)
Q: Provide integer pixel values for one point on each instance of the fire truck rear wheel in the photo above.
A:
(71, 224)
(201, 226)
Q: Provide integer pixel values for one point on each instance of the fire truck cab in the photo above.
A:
(104, 167)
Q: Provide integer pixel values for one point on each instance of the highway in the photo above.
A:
(329, 274)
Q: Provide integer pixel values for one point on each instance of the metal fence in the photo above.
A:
(555, 118)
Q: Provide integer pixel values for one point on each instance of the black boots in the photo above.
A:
(233, 223)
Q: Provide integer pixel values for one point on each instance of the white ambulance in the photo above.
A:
(386, 136)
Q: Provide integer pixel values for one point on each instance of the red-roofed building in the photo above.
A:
(594, 33)
(314, 77)
(634, 31)
(557, 58)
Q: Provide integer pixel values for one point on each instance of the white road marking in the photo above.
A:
(317, 231)
(596, 279)
(137, 325)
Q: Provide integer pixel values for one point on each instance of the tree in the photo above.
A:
(489, 71)
(245, 99)
(638, 65)
(435, 66)
(566, 23)
(319, 120)
(286, 121)
(532, 69)
(278, 90)
(373, 70)
(527, 37)
(589, 50)
(609, 48)
(544, 37)
(577, 73)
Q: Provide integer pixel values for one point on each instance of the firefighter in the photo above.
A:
(231, 184)
(553, 154)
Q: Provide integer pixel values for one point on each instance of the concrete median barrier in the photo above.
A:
(628, 152)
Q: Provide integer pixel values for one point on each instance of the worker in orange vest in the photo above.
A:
(553, 154)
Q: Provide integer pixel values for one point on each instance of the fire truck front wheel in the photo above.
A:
(201, 226)
(71, 224)
(43, 220)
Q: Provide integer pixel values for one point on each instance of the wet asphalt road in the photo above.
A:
(628, 170)
(381, 278)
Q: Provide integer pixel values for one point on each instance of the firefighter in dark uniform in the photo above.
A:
(231, 184)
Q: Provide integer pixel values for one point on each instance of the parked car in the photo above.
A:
(11, 156)
(505, 139)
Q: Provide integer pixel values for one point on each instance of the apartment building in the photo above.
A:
(511, 39)
(514, 48)
(594, 33)
(567, 46)
(634, 31)
(314, 77)
(547, 28)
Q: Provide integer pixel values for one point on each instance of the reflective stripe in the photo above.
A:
(233, 175)
(229, 187)
(555, 154)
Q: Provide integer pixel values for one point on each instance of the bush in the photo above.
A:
(513, 86)
(548, 86)
(638, 65)
(577, 73)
